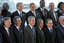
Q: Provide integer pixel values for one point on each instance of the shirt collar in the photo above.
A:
(49, 28)
(63, 25)
(6, 28)
(32, 11)
(30, 26)
(39, 28)
(19, 12)
(42, 9)
(17, 27)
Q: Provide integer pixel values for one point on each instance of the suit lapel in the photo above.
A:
(30, 31)
(31, 13)
(48, 32)
(5, 32)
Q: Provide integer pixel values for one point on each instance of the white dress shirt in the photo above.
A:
(30, 26)
(19, 12)
(34, 13)
(7, 30)
(63, 25)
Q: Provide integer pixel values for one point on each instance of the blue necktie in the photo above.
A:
(51, 31)
(33, 31)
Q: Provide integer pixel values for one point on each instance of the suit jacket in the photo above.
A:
(51, 16)
(61, 31)
(23, 18)
(40, 36)
(5, 37)
(6, 13)
(0, 38)
(17, 34)
(44, 17)
(54, 38)
(59, 13)
(31, 14)
(28, 36)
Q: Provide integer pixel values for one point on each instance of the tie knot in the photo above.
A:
(51, 30)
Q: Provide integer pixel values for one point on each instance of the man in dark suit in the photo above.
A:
(7, 35)
(5, 12)
(52, 14)
(17, 29)
(43, 12)
(0, 38)
(39, 32)
(29, 31)
(51, 33)
(33, 11)
(20, 13)
(61, 27)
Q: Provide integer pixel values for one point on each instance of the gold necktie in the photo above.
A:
(55, 16)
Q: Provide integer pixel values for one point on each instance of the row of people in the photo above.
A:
(31, 34)
(39, 13)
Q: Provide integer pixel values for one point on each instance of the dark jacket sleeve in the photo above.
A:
(0, 38)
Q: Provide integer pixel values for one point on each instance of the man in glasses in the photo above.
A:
(61, 27)
(51, 33)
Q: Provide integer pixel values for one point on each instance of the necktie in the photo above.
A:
(33, 31)
(54, 16)
(51, 31)
(20, 30)
(43, 11)
(21, 14)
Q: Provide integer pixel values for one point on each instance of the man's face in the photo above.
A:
(41, 24)
(62, 21)
(7, 7)
(52, 6)
(32, 21)
(33, 7)
(7, 23)
(20, 7)
(42, 4)
(49, 24)
(18, 21)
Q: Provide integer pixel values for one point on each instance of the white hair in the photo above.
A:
(61, 17)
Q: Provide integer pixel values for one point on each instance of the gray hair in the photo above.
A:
(61, 17)
(30, 17)
(5, 19)
(38, 21)
(50, 4)
(18, 4)
(48, 20)
(14, 19)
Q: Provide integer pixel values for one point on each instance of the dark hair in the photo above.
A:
(5, 5)
(41, 1)
(59, 4)
(32, 4)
